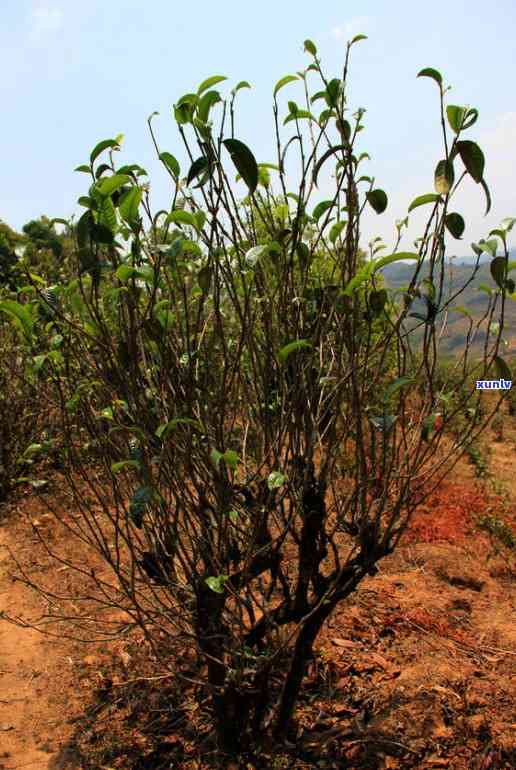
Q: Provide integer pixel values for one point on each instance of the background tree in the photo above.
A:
(47, 252)
(10, 241)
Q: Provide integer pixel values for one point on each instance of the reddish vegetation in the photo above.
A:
(449, 513)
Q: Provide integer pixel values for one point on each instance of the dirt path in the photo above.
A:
(34, 672)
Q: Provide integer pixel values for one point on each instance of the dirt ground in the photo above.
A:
(418, 670)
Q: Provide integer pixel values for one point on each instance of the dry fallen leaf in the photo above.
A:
(436, 761)
(344, 642)
(380, 660)
(445, 691)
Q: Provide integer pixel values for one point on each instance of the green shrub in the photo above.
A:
(21, 409)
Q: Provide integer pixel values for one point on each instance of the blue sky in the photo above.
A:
(73, 73)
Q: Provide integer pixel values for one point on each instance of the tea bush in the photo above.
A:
(265, 419)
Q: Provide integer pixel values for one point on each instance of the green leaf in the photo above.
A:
(117, 467)
(104, 145)
(37, 279)
(502, 368)
(134, 169)
(357, 38)
(171, 163)
(422, 200)
(455, 224)
(87, 202)
(489, 246)
(336, 230)
(397, 257)
(377, 300)
(385, 423)
(325, 116)
(264, 177)
(124, 272)
(244, 161)
(470, 119)
(361, 277)
(85, 169)
(183, 113)
(401, 382)
(299, 115)
(200, 220)
(165, 430)
(291, 348)
(484, 288)
(231, 458)
(38, 483)
(378, 200)
(275, 480)
(462, 311)
(303, 253)
(107, 413)
(216, 584)
(108, 185)
(39, 361)
(204, 278)
(455, 117)
(321, 208)
(483, 183)
(310, 47)
(498, 267)
(283, 82)
(192, 248)
(333, 92)
(429, 426)
(209, 82)
(508, 223)
(239, 86)
(473, 158)
(20, 314)
(344, 129)
(33, 449)
(139, 503)
(444, 177)
(102, 234)
(324, 158)
(209, 99)
(181, 217)
(198, 167)
(130, 204)
(106, 215)
(101, 169)
(215, 457)
(429, 72)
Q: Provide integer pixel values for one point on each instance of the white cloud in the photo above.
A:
(44, 20)
(347, 31)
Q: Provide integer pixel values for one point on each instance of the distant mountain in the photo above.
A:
(460, 272)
